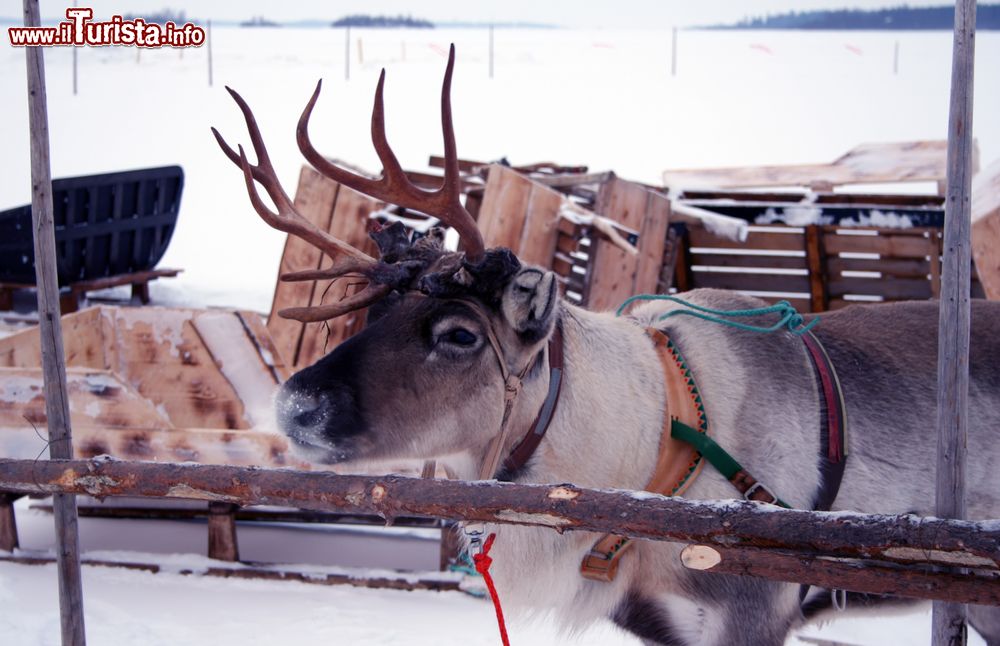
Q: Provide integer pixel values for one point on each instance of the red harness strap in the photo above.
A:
(483, 562)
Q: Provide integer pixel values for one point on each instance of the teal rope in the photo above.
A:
(790, 318)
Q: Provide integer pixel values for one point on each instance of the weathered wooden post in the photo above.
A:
(949, 628)
(491, 50)
(673, 54)
(208, 43)
(53, 360)
(347, 53)
(74, 60)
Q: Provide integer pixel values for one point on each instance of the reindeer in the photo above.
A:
(462, 350)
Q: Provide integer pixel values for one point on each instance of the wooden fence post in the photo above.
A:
(208, 43)
(50, 329)
(949, 626)
(673, 53)
(347, 53)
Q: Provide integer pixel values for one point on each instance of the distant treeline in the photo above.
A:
(903, 17)
(408, 22)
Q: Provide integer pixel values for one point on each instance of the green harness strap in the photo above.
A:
(717, 456)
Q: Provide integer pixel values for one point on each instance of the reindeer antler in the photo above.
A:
(347, 259)
(394, 187)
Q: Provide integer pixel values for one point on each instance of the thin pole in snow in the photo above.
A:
(895, 59)
(347, 53)
(491, 50)
(673, 54)
(74, 61)
(949, 619)
(50, 333)
(209, 44)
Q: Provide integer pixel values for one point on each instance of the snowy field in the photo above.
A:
(601, 98)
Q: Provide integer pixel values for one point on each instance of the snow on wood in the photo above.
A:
(883, 163)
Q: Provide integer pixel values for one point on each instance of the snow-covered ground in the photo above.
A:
(601, 98)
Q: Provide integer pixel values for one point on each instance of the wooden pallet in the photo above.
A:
(200, 369)
(73, 295)
(819, 267)
(613, 274)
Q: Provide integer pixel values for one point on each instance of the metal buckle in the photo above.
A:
(747, 495)
(475, 532)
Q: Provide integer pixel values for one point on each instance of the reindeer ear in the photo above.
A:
(530, 302)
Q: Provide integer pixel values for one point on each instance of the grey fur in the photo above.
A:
(763, 406)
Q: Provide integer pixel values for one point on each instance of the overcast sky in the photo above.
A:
(569, 13)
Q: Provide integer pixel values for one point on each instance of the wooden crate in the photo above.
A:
(344, 213)
(819, 267)
(522, 214)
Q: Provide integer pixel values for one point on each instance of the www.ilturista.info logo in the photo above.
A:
(79, 30)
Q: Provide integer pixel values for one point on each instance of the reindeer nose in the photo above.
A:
(302, 415)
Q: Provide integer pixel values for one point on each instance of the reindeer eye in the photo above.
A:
(459, 336)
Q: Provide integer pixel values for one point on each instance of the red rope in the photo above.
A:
(483, 562)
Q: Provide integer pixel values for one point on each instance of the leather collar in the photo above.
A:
(522, 452)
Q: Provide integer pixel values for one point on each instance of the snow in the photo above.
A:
(602, 98)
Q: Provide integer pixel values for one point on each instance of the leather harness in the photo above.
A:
(684, 443)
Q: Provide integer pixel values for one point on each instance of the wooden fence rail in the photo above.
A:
(860, 552)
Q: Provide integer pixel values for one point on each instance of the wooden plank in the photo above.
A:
(315, 197)
(271, 572)
(652, 238)
(893, 245)
(504, 208)
(766, 237)
(349, 222)
(8, 523)
(901, 267)
(238, 359)
(205, 446)
(751, 282)
(265, 345)
(890, 287)
(817, 277)
(97, 399)
(82, 342)
(954, 320)
(748, 261)
(538, 237)
(986, 229)
(222, 543)
(162, 356)
(881, 163)
(614, 274)
(50, 330)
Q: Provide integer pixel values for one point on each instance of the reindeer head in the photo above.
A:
(448, 333)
